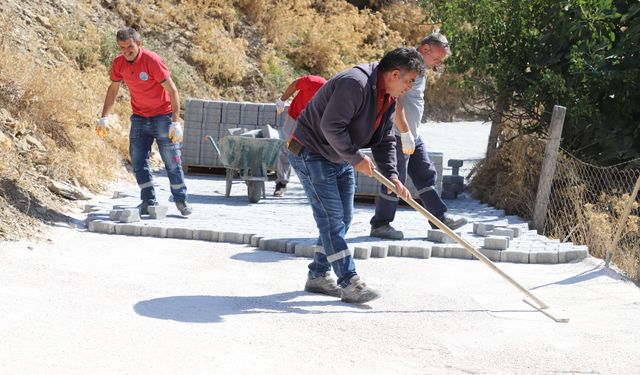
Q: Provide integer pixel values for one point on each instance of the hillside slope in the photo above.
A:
(54, 73)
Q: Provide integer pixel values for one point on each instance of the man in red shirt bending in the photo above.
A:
(155, 104)
(306, 86)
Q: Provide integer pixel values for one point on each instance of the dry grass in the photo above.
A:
(231, 49)
(507, 178)
(585, 204)
(443, 99)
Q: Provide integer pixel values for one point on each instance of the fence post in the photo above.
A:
(548, 168)
(622, 222)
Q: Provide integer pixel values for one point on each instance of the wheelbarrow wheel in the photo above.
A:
(254, 190)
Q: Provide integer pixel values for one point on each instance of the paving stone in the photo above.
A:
(395, 251)
(517, 231)
(361, 252)
(417, 251)
(115, 215)
(180, 233)
(130, 215)
(514, 256)
(543, 257)
(576, 253)
(153, 231)
(482, 229)
(302, 250)
(264, 244)
(158, 212)
(379, 251)
(496, 242)
(127, 229)
(278, 244)
(493, 255)
(231, 237)
(206, 235)
(457, 252)
(99, 226)
(246, 238)
(255, 240)
(438, 250)
(503, 232)
(290, 247)
(436, 235)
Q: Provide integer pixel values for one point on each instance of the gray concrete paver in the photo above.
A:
(286, 224)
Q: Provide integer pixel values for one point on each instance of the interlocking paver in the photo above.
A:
(289, 222)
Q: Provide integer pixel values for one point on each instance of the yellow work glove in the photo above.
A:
(408, 143)
(102, 127)
(175, 132)
(279, 106)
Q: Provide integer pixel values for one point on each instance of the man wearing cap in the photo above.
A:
(412, 157)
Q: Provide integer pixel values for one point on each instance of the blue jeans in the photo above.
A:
(330, 188)
(144, 130)
(422, 173)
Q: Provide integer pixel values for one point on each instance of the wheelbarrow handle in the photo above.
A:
(213, 143)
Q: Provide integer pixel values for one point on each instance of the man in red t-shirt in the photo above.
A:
(306, 87)
(155, 104)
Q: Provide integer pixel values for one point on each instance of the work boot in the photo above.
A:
(453, 223)
(358, 292)
(144, 206)
(184, 208)
(324, 285)
(280, 189)
(386, 231)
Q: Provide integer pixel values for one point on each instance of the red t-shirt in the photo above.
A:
(307, 87)
(143, 77)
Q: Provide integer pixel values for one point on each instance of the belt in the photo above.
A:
(295, 147)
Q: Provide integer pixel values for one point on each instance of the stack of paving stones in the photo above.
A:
(368, 187)
(216, 118)
(499, 237)
(454, 184)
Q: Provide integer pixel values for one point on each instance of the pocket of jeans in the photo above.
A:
(320, 169)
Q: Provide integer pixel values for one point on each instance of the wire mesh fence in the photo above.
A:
(585, 207)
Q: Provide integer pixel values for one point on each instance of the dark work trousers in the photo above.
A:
(423, 174)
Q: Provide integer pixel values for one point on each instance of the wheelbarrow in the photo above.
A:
(249, 158)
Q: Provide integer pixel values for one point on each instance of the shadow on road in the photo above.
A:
(212, 309)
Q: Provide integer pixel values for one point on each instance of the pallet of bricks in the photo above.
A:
(367, 187)
(215, 118)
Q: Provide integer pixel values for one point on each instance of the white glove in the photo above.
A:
(279, 105)
(175, 132)
(102, 127)
(408, 143)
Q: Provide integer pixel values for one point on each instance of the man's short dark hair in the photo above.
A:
(128, 33)
(405, 59)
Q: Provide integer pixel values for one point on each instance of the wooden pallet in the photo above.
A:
(204, 170)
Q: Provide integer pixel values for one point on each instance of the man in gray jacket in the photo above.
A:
(412, 156)
(350, 112)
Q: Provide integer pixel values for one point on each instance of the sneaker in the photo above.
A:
(452, 222)
(280, 189)
(386, 231)
(184, 208)
(358, 292)
(144, 206)
(323, 285)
